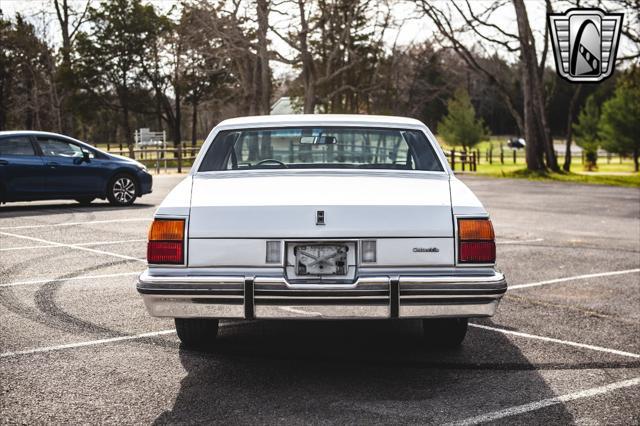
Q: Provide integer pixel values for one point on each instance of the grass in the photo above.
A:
(520, 171)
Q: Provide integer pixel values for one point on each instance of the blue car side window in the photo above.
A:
(58, 148)
(16, 145)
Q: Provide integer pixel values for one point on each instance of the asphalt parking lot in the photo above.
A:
(77, 346)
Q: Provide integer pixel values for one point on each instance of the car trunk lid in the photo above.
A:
(291, 205)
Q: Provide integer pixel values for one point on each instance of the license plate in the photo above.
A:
(321, 259)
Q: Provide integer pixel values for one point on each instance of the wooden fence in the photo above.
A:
(459, 160)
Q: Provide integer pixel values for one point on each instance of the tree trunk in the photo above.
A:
(635, 159)
(308, 70)
(263, 53)
(536, 128)
(569, 134)
(126, 128)
(194, 123)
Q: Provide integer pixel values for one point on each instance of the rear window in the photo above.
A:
(16, 145)
(316, 148)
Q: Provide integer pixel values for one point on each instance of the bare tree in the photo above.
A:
(457, 19)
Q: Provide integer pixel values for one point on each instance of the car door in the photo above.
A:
(67, 171)
(21, 169)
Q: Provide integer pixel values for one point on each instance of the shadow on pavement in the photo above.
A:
(351, 372)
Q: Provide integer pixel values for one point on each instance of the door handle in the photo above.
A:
(52, 164)
(4, 163)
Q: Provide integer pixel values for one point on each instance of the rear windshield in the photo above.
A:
(313, 148)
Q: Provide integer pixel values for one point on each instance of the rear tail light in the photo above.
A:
(166, 242)
(477, 241)
(368, 251)
(273, 252)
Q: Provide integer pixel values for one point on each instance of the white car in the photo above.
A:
(321, 217)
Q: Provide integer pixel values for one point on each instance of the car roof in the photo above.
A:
(31, 132)
(320, 119)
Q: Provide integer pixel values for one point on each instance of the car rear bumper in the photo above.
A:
(376, 296)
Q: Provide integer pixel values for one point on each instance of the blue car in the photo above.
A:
(48, 166)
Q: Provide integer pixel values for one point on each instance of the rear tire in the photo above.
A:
(444, 332)
(122, 190)
(197, 332)
(85, 201)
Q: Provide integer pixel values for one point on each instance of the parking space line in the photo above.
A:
(93, 243)
(575, 277)
(533, 406)
(82, 277)
(552, 340)
(86, 343)
(139, 219)
(40, 240)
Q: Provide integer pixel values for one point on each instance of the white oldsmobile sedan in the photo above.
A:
(321, 217)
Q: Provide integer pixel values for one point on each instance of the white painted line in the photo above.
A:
(40, 240)
(536, 240)
(86, 343)
(139, 219)
(533, 406)
(552, 340)
(55, 280)
(93, 243)
(575, 277)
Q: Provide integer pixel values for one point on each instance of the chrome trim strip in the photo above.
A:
(467, 310)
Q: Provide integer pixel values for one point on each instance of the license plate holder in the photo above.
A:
(321, 259)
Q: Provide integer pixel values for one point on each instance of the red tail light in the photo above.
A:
(166, 242)
(164, 252)
(476, 239)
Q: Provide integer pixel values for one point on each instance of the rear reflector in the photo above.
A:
(164, 252)
(477, 252)
(166, 230)
(475, 229)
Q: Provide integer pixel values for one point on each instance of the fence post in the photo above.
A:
(476, 160)
(108, 147)
(180, 157)
(453, 159)
(501, 155)
(463, 159)
(514, 156)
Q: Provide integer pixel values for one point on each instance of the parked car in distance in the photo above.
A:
(516, 143)
(48, 166)
(321, 217)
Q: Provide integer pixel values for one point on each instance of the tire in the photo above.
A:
(197, 332)
(122, 190)
(85, 201)
(444, 332)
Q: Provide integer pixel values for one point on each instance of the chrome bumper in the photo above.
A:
(179, 295)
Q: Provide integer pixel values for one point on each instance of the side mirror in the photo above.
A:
(86, 157)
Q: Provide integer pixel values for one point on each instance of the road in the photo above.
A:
(77, 346)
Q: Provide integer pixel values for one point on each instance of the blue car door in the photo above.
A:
(67, 172)
(21, 170)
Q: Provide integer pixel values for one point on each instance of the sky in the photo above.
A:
(412, 30)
